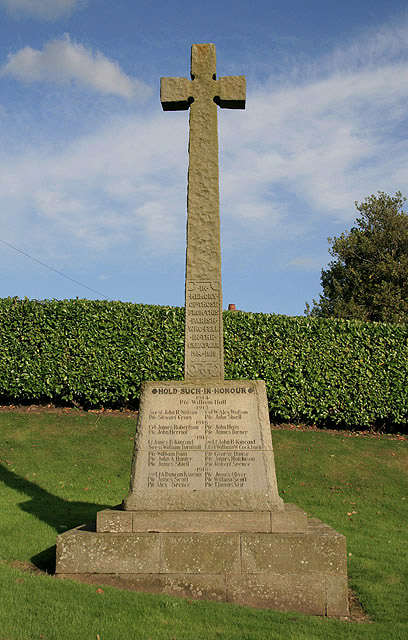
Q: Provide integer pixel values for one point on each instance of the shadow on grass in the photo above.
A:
(56, 512)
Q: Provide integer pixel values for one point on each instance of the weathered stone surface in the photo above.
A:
(204, 355)
(204, 446)
(203, 336)
(82, 551)
(114, 521)
(304, 572)
(291, 519)
(291, 553)
(211, 587)
(304, 593)
(337, 595)
(204, 553)
(201, 521)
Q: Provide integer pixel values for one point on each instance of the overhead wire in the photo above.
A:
(64, 275)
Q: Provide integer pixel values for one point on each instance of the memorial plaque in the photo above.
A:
(204, 446)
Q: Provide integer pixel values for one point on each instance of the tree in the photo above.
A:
(368, 279)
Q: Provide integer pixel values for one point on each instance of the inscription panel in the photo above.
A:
(201, 437)
(203, 446)
(203, 331)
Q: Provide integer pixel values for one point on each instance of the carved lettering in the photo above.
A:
(203, 331)
(204, 439)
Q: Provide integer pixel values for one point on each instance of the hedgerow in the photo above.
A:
(96, 353)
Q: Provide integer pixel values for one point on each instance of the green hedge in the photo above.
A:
(96, 353)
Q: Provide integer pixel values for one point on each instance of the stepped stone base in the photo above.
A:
(278, 560)
(290, 519)
(203, 517)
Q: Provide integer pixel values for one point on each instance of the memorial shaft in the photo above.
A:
(204, 353)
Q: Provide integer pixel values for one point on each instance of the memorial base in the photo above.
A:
(278, 560)
(203, 517)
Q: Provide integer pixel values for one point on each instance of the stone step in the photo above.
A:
(301, 571)
(291, 518)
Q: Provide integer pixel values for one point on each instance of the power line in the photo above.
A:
(52, 269)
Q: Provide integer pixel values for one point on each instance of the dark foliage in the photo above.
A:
(368, 279)
(96, 353)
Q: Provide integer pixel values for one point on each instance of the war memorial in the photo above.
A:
(203, 517)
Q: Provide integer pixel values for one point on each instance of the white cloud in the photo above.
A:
(294, 161)
(43, 9)
(304, 263)
(327, 142)
(373, 46)
(64, 61)
(122, 186)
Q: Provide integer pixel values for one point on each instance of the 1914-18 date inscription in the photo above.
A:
(203, 331)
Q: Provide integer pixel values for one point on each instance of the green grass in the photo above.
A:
(59, 470)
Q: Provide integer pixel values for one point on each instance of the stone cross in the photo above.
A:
(203, 517)
(204, 352)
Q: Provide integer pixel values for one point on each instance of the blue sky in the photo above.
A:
(93, 172)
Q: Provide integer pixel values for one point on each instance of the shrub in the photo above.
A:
(96, 353)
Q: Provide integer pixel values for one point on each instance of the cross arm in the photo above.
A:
(232, 92)
(175, 94)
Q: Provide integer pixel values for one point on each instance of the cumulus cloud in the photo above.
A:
(43, 9)
(64, 61)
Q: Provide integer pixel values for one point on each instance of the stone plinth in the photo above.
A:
(203, 517)
(303, 572)
(203, 447)
(290, 519)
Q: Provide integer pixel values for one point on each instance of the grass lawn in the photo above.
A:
(58, 469)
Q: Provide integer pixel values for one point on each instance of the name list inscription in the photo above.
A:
(202, 437)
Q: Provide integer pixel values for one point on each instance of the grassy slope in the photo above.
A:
(58, 470)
